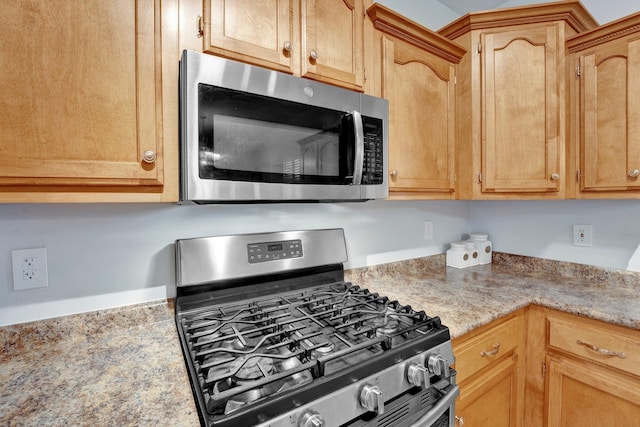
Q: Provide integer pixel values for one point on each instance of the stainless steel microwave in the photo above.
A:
(248, 134)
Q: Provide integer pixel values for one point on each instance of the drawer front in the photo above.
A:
(486, 348)
(601, 345)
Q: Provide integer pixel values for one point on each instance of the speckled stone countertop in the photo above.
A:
(107, 368)
(467, 298)
(125, 367)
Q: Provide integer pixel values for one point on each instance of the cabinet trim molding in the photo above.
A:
(404, 29)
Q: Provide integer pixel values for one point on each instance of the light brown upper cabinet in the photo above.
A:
(88, 98)
(416, 69)
(511, 97)
(317, 39)
(606, 110)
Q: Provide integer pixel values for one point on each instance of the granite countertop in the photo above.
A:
(124, 366)
(467, 298)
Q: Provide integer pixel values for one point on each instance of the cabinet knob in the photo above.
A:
(313, 54)
(460, 421)
(149, 156)
(634, 173)
(394, 173)
(287, 46)
(555, 176)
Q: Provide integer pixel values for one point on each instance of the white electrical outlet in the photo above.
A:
(29, 268)
(428, 230)
(582, 235)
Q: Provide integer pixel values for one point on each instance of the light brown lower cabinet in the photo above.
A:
(489, 367)
(490, 399)
(582, 394)
(543, 367)
(580, 372)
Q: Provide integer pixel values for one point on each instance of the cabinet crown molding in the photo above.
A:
(390, 22)
(572, 12)
(605, 33)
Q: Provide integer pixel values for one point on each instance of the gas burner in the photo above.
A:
(387, 326)
(323, 350)
(251, 368)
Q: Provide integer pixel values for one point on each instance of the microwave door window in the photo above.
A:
(246, 137)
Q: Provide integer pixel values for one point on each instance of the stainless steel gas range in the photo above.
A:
(272, 335)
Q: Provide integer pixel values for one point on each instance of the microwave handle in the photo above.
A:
(359, 144)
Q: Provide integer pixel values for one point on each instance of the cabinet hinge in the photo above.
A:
(544, 370)
(478, 47)
(455, 80)
(578, 71)
(578, 176)
(364, 74)
(479, 177)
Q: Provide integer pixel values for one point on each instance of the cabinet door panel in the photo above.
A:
(589, 396)
(421, 97)
(610, 116)
(521, 110)
(81, 95)
(490, 400)
(252, 31)
(333, 29)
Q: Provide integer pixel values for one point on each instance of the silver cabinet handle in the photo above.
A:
(313, 54)
(199, 26)
(394, 173)
(634, 173)
(287, 46)
(460, 421)
(602, 351)
(555, 176)
(149, 156)
(496, 349)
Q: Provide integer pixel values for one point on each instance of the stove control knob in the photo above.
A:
(311, 419)
(418, 375)
(371, 398)
(438, 365)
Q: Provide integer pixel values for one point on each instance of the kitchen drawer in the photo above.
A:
(482, 350)
(605, 345)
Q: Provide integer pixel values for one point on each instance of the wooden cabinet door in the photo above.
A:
(522, 136)
(332, 41)
(585, 395)
(491, 399)
(81, 94)
(610, 117)
(421, 93)
(260, 32)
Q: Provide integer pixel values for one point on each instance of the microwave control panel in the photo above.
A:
(373, 166)
(272, 251)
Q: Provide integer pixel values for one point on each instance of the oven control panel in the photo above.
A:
(271, 251)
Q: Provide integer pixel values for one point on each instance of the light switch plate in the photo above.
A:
(29, 268)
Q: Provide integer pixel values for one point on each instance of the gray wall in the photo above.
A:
(115, 254)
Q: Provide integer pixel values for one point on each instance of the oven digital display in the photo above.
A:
(273, 251)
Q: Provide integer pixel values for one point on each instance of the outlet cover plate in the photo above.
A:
(29, 268)
(428, 230)
(582, 235)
